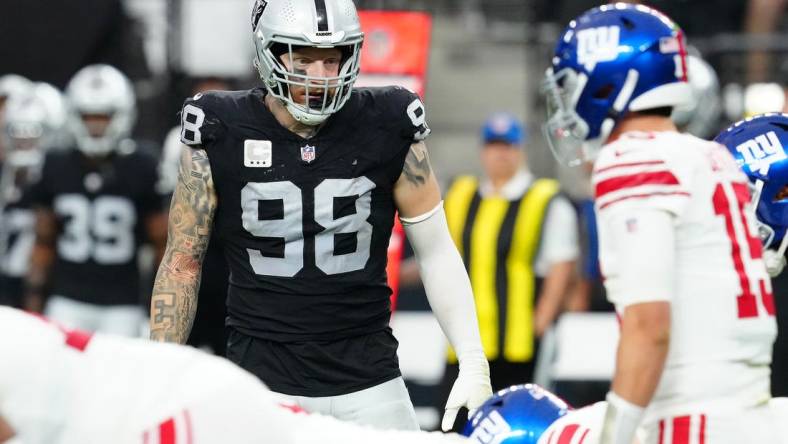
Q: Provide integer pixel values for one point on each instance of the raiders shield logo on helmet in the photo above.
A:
(257, 12)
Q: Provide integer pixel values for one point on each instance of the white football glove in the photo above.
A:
(471, 388)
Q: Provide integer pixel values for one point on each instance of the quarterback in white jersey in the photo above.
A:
(681, 201)
(680, 255)
(62, 387)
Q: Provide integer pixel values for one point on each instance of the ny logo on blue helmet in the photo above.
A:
(609, 61)
(758, 145)
(517, 415)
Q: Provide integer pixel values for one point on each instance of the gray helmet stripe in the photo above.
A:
(322, 15)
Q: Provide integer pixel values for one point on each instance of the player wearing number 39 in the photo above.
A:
(95, 205)
(301, 180)
(679, 251)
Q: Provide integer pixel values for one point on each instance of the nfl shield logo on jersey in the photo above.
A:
(307, 153)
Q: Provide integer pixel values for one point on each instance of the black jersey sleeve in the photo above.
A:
(201, 124)
(408, 111)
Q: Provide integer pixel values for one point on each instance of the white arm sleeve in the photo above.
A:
(445, 279)
(637, 254)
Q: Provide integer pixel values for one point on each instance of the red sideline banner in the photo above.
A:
(395, 52)
(396, 49)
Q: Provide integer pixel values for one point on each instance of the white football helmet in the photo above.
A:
(11, 84)
(35, 122)
(281, 25)
(700, 117)
(101, 90)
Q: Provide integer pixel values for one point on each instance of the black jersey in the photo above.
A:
(101, 211)
(305, 223)
(17, 228)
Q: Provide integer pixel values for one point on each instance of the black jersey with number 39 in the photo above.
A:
(305, 223)
(100, 209)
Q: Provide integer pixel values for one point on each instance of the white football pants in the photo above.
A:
(121, 320)
(384, 406)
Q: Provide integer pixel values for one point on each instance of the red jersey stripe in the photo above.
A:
(567, 433)
(78, 339)
(742, 193)
(583, 437)
(187, 419)
(167, 432)
(643, 196)
(292, 407)
(767, 297)
(702, 437)
(634, 180)
(662, 431)
(629, 164)
(681, 430)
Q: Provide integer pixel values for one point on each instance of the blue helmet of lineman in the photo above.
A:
(758, 145)
(611, 60)
(517, 415)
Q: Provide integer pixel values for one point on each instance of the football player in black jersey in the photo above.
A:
(34, 122)
(301, 181)
(95, 205)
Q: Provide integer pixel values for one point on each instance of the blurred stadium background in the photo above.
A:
(469, 57)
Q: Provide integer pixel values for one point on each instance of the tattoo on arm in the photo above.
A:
(174, 300)
(417, 165)
(162, 309)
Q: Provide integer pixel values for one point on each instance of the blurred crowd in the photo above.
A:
(89, 159)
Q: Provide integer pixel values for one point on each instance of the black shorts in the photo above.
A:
(318, 368)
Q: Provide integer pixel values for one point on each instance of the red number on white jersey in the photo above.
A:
(740, 236)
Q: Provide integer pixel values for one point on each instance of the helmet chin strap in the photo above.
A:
(774, 260)
(305, 118)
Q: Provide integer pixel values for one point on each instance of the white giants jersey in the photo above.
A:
(57, 383)
(582, 426)
(67, 387)
(722, 309)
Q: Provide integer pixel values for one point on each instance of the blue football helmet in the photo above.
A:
(758, 145)
(611, 60)
(517, 415)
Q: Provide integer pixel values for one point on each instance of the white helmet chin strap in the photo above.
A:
(305, 118)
